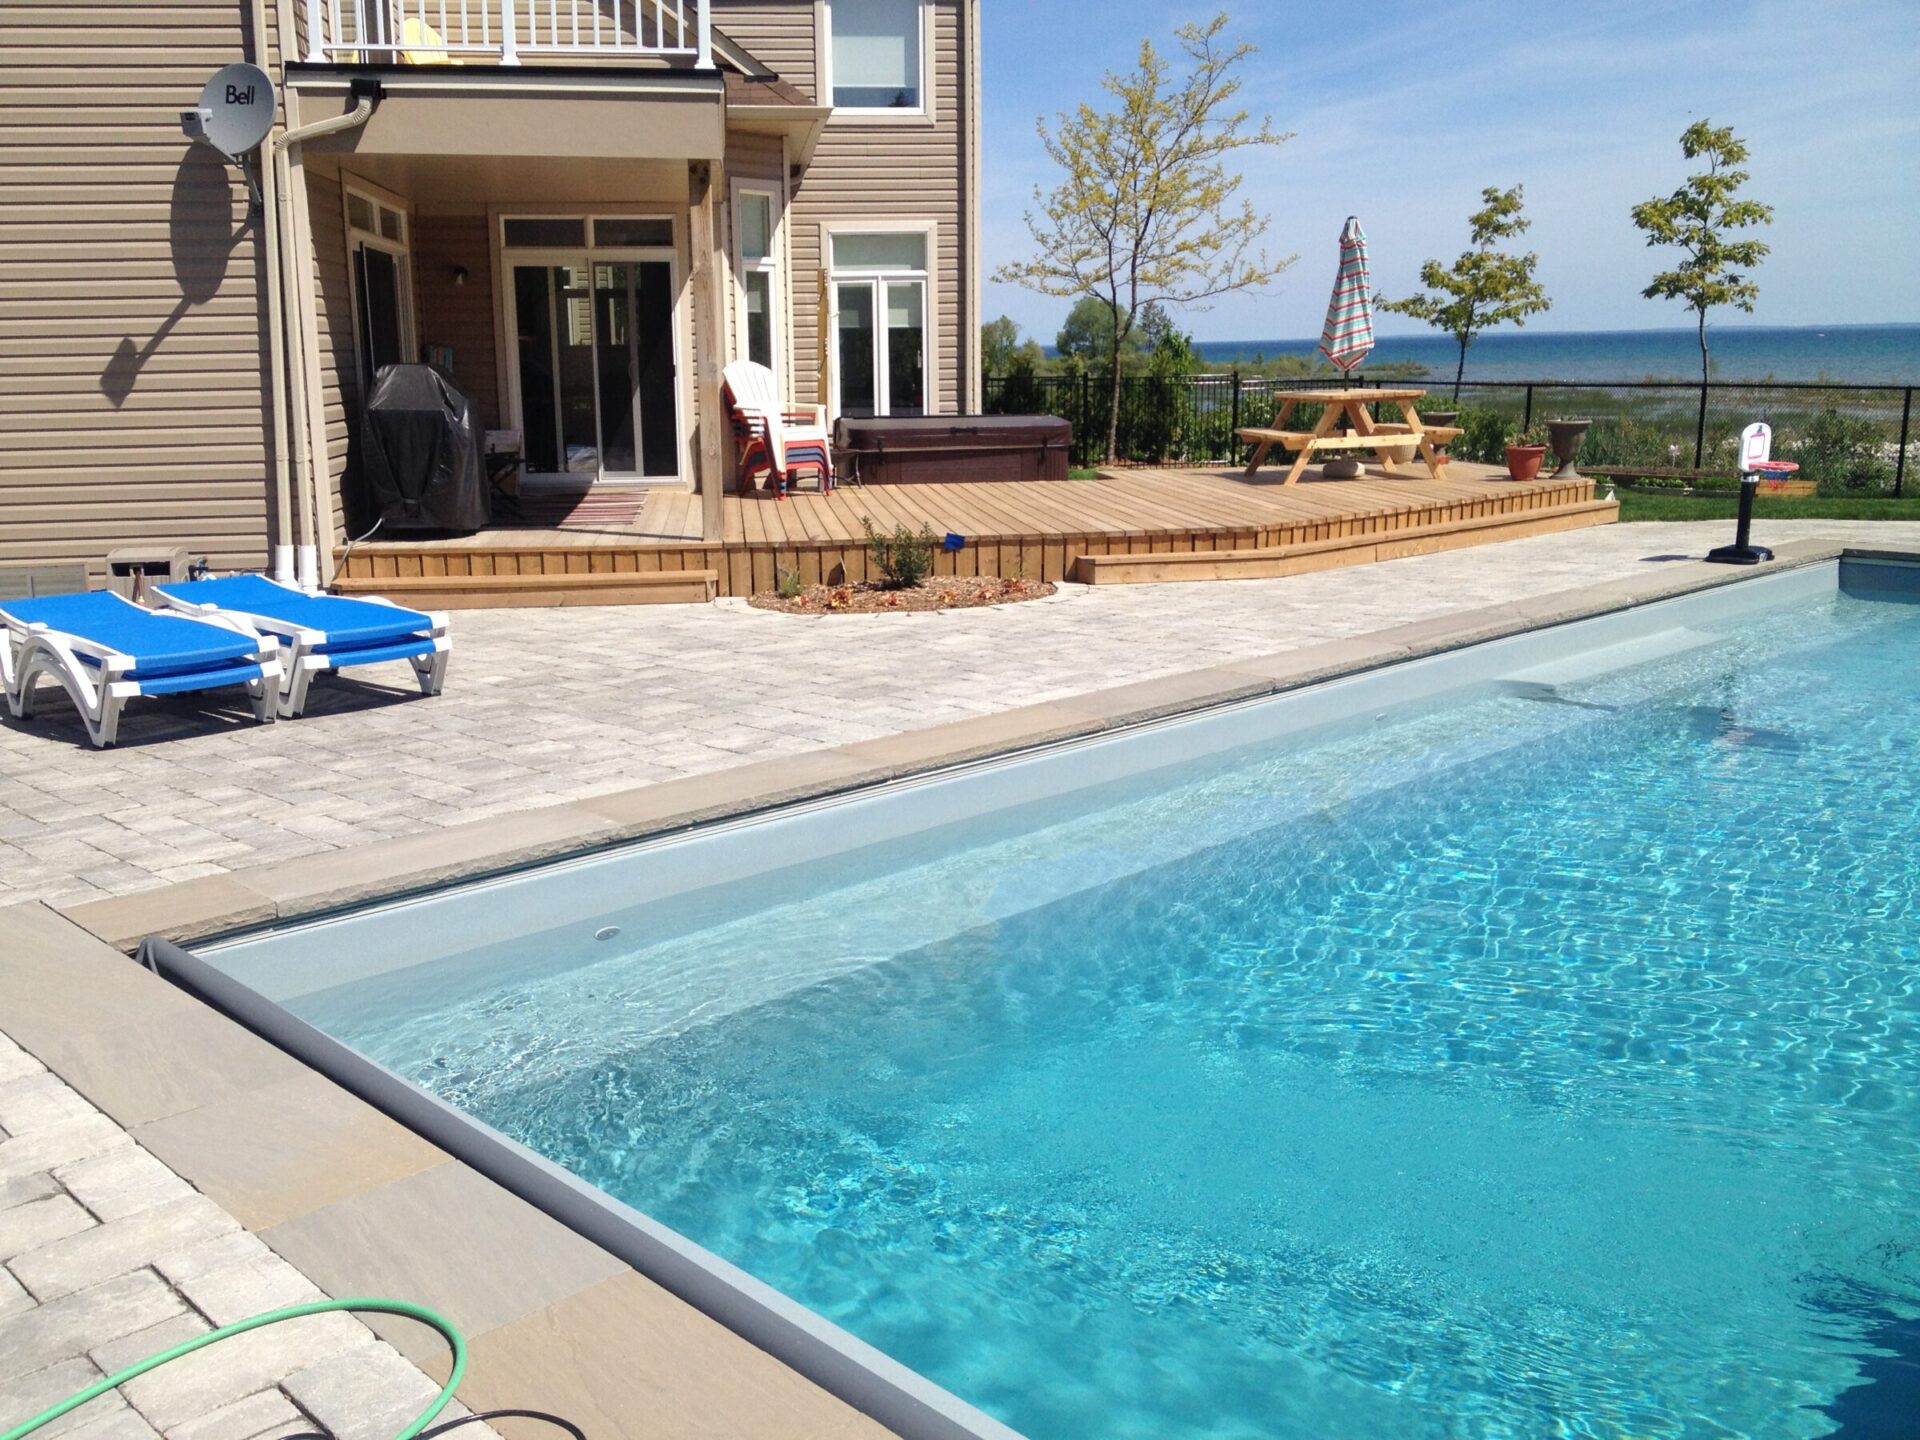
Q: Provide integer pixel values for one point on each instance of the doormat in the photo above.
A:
(569, 510)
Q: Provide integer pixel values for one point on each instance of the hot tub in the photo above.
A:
(905, 449)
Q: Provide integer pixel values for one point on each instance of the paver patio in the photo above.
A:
(547, 706)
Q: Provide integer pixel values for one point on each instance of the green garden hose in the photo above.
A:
(272, 1317)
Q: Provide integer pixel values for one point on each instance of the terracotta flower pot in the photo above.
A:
(1523, 461)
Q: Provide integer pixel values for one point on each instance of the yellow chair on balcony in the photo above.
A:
(432, 45)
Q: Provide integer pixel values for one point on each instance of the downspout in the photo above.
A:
(307, 550)
(280, 563)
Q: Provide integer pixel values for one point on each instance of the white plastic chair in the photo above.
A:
(777, 439)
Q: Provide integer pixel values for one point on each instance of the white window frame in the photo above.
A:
(930, 317)
(769, 265)
(922, 114)
(507, 354)
(401, 250)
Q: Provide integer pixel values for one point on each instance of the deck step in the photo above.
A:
(477, 592)
(1266, 562)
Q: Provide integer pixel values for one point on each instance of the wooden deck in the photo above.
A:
(1128, 525)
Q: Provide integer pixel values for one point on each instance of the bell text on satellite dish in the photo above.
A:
(236, 109)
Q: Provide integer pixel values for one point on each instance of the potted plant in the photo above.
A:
(1441, 420)
(1526, 450)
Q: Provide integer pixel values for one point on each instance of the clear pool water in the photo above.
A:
(1543, 1064)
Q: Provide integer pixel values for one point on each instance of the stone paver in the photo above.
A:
(109, 1257)
(548, 706)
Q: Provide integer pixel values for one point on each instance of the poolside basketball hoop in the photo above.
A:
(1756, 459)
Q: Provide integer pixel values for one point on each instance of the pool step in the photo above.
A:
(1267, 562)
(1548, 679)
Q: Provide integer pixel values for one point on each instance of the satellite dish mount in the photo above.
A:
(235, 115)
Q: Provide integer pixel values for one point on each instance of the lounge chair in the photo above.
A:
(103, 650)
(319, 632)
(774, 439)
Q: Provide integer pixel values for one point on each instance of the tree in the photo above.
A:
(1697, 217)
(1145, 211)
(1485, 286)
(998, 341)
(1087, 335)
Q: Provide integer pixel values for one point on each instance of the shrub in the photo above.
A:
(1483, 436)
(788, 585)
(1842, 452)
(904, 558)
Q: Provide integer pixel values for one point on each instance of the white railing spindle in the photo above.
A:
(377, 30)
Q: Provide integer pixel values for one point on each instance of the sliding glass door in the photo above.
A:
(594, 356)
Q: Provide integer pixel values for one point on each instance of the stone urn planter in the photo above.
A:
(1524, 461)
(1565, 437)
(1443, 418)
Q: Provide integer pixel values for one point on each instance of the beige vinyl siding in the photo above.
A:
(133, 405)
(459, 315)
(896, 170)
(778, 33)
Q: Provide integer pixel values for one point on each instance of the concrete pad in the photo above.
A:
(745, 787)
(176, 1062)
(402, 1239)
(186, 909)
(58, 981)
(626, 1358)
(344, 877)
(284, 1149)
(963, 740)
(1167, 695)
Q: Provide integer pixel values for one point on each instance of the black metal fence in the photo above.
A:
(1850, 439)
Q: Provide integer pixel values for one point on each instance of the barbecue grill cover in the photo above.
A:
(420, 453)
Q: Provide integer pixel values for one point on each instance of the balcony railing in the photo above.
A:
(505, 32)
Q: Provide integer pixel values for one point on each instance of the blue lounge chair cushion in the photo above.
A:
(161, 646)
(347, 624)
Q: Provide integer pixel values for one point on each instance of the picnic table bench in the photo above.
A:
(1349, 406)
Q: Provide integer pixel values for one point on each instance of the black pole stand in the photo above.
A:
(1740, 552)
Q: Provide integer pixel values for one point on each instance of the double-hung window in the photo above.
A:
(759, 271)
(875, 50)
(879, 282)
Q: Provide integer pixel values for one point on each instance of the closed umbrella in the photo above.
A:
(1348, 336)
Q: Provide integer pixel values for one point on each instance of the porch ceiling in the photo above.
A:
(468, 185)
(477, 113)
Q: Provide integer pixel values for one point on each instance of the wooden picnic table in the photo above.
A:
(1346, 411)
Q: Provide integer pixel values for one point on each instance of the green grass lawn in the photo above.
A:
(1638, 505)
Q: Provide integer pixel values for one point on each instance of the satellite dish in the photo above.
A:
(237, 107)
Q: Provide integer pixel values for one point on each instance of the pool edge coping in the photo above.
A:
(351, 876)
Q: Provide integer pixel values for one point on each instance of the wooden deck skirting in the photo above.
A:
(1036, 530)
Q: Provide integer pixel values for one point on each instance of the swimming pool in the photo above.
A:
(1522, 1042)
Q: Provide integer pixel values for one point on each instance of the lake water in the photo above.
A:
(1861, 354)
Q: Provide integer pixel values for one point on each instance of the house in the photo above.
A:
(580, 209)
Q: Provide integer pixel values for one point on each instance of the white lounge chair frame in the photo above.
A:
(299, 657)
(99, 691)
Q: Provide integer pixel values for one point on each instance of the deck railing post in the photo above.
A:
(1700, 429)
(1900, 460)
(704, 24)
(509, 34)
(1233, 429)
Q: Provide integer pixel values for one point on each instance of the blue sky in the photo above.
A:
(1425, 103)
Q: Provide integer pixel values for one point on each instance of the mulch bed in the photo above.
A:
(941, 592)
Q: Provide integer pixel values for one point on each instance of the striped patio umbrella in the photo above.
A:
(1348, 336)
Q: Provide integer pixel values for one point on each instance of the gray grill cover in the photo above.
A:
(420, 453)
